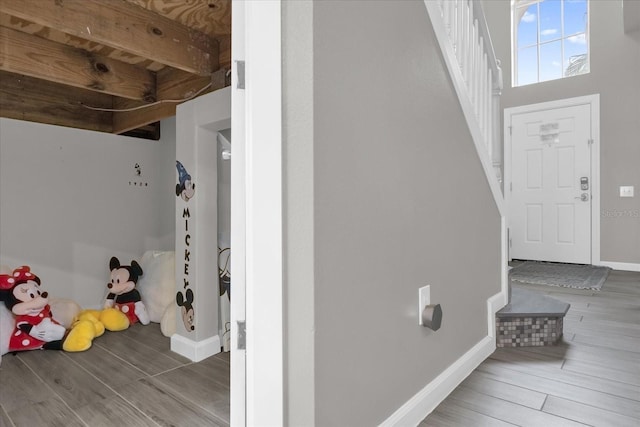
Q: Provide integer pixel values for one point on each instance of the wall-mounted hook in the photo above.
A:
(432, 316)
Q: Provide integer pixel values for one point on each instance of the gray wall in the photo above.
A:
(298, 208)
(615, 61)
(399, 201)
(66, 205)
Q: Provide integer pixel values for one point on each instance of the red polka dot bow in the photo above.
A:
(19, 275)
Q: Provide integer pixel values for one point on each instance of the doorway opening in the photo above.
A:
(552, 186)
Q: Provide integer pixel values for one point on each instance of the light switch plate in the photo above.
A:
(424, 299)
(626, 191)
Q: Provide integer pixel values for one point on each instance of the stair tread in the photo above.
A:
(525, 303)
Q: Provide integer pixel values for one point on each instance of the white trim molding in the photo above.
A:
(495, 303)
(195, 350)
(624, 266)
(238, 213)
(504, 263)
(263, 184)
(427, 399)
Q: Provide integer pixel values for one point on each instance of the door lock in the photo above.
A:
(584, 183)
(583, 197)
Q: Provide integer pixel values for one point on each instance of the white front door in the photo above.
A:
(551, 185)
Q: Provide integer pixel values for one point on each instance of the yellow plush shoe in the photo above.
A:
(80, 336)
(94, 317)
(114, 320)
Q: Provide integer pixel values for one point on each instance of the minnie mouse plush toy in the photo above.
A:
(35, 327)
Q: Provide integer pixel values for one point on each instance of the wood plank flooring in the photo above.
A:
(128, 378)
(132, 378)
(591, 378)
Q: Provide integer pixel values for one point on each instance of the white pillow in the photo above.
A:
(7, 323)
(6, 320)
(169, 325)
(64, 310)
(157, 285)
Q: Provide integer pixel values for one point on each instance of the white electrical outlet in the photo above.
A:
(626, 191)
(424, 299)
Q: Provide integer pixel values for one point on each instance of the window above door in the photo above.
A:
(550, 40)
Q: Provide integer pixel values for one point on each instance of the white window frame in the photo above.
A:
(522, 4)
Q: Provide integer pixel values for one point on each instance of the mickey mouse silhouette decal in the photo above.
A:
(187, 309)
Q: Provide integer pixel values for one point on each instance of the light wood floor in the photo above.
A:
(127, 378)
(591, 378)
(132, 378)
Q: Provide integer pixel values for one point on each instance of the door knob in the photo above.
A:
(583, 197)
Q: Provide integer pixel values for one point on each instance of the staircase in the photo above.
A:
(461, 30)
(526, 319)
(462, 33)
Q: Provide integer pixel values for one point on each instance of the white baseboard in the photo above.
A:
(626, 266)
(494, 304)
(195, 350)
(426, 400)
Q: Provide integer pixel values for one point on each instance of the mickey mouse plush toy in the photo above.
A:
(35, 327)
(122, 293)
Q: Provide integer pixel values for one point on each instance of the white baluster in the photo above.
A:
(466, 45)
(485, 103)
(474, 67)
(454, 25)
(490, 129)
(483, 93)
(463, 28)
(478, 61)
(452, 19)
(445, 15)
(460, 28)
(490, 95)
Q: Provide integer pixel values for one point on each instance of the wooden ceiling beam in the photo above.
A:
(35, 100)
(34, 56)
(124, 26)
(172, 85)
(151, 131)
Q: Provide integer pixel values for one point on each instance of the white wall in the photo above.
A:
(68, 203)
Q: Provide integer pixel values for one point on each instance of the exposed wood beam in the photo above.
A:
(34, 56)
(151, 131)
(27, 98)
(54, 35)
(128, 120)
(172, 85)
(123, 26)
(212, 17)
(225, 52)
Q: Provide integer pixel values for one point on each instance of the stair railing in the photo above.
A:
(463, 35)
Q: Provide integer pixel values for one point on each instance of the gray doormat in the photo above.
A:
(555, 274)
